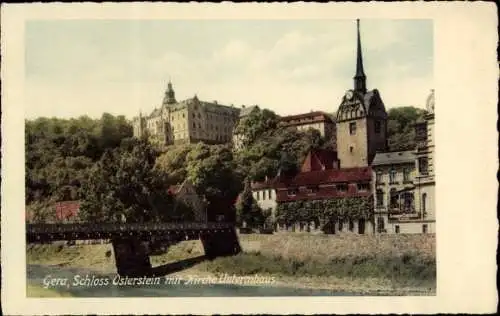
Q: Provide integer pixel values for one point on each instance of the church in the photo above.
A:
(361, 186)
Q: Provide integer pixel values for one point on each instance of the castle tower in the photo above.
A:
(361, 120)
(169, 95)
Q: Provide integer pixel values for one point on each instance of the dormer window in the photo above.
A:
(362, 187)
(312, 190)
(342, 187)
(292, 192)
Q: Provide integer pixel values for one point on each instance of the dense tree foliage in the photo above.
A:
(60, 153)
(400, 127)
(247, 209)
(124, 186)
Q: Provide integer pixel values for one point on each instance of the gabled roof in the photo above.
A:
(390, 158)
(319, 159)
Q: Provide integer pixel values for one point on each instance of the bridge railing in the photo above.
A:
(122, 227)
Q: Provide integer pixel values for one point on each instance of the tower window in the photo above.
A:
(352, 128)
(378, 127)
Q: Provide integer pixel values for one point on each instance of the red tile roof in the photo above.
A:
(320, 159)
(325, 193)
(67, 209)
(327, 177)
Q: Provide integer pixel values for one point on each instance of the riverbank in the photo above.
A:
(364, 264)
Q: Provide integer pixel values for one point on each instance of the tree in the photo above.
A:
(256, 124)
(211, 169)
(124, 186)
(174, 162)
(248, 210)
(400, 127)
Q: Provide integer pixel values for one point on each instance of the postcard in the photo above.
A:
(248, 158)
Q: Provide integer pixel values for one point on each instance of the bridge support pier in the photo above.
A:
(220, 243)
(131, 257)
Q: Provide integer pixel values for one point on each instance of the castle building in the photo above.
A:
(187, 121)
(317, 120)
(361, 120)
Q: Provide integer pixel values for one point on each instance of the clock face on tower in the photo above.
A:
(349, 95)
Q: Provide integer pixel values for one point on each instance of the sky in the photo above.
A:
(87, 67)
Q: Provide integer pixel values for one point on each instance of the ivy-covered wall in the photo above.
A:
(324, 211)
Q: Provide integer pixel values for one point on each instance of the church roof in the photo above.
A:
(390, 158)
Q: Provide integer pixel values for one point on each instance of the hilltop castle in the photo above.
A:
(187, 121)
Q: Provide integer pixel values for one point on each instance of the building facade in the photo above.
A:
(317, 120)
(405, 183)
(265, 194)
(187, 121)
(361, 122)
(324, 198)
(425, 180)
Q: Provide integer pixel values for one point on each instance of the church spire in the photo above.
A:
(169, 94)
(360, 77)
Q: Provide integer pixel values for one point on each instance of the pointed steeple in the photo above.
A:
(169, 94)
(360, 77)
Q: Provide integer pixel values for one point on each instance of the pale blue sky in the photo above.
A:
(76, 67)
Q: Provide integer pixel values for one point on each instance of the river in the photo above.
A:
(83, 283)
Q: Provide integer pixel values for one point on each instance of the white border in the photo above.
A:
(466, 75)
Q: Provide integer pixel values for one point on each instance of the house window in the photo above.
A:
(351, 149)
(378, 127)
(424, 202)
(258, 195)
(269, 193)
(342, 187)
(292, 192)
(394, 199)
(341, 225)
(264, 195)
(397, 229)
(351, 226)
(363, 186)
(194, 125)
(380, 198)
(423, 165)
(406, 175)
(424, 228)
(312, 190)
(392, 176)
(352, 128)
(380, 225)
(378, 178)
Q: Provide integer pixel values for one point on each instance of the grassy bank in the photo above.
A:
(38, 291)
(343, 262)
